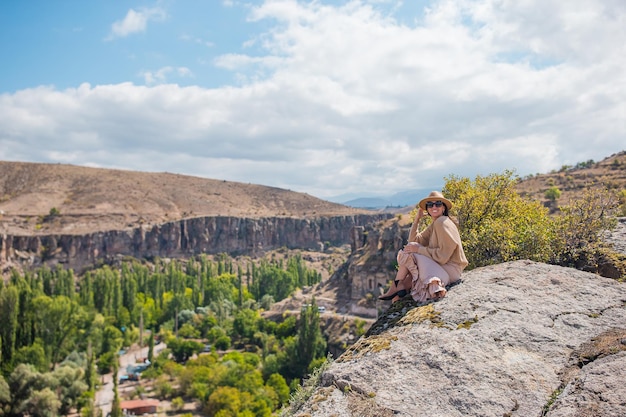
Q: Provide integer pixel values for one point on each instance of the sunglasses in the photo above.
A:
(436, 204)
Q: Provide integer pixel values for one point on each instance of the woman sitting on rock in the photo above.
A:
(433, 258)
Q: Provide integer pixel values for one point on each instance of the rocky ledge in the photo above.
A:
(517, 339)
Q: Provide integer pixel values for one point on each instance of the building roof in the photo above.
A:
(132, 404)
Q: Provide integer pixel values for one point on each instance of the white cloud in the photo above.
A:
(135, 21)
(197, 40)
(160, 76)
(347, 99)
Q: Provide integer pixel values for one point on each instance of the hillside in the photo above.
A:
(572, 181)
(95, 199)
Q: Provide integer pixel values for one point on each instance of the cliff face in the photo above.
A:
(373, 259)
(184, 238)
(516, 339)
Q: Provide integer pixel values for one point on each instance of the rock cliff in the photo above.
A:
(516, 339)
(183, 238)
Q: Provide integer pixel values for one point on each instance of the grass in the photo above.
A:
(306, 390)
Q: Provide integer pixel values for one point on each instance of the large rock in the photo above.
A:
(517, 339)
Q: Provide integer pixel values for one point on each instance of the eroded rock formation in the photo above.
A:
(184, 238)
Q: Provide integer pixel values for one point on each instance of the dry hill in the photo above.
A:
(93, 199)
(572, 181)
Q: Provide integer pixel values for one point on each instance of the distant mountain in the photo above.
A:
(399, 199)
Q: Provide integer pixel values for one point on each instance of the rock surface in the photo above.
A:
(617, 236)
(515, 339)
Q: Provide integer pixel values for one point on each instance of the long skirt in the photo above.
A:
(429, 278)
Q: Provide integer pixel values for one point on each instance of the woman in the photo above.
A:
(433, 258)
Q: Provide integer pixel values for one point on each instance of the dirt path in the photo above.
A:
(104, 396)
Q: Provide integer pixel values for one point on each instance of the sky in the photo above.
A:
(337, 99)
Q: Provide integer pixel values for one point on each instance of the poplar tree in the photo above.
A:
(151, 346)
(310, 344)
(116, 409)
(9, 312)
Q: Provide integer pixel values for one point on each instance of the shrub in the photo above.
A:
(106, 362)
(552, 193)
(496, 223)
(177, 404)
(578, 239)
(622, 203)
(223, 342)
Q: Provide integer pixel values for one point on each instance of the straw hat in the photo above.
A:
(434, 196)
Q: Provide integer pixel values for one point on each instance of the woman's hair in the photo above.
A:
(453, 218)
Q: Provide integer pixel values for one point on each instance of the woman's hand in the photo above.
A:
(411, 247)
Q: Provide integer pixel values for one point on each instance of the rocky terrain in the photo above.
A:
(515, 339)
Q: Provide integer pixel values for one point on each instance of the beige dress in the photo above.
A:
(439, 259)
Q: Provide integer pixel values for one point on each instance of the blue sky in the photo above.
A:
(325, 97)
(65, 43)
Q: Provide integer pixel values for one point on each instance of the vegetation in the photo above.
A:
(305, 391)
(498, 225)
(252, 366)
(553, 193)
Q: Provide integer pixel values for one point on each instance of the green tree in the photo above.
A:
(279, 385)
(112, 340)
(308, 345)
(245, 323)
(5, 396)
(23, 381)
(223, 342)
(91, 378)
(116, 409)
(287, 327)
(58, 322)
(105, 362)
(29, 286)
(42, 403)
(178, 403)
(89, 408)
(498, 225)
(151, 346)
(34, 355)
(182, 349)
(69, 386)
(553, 193)
(9, 312)
(224, 400)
